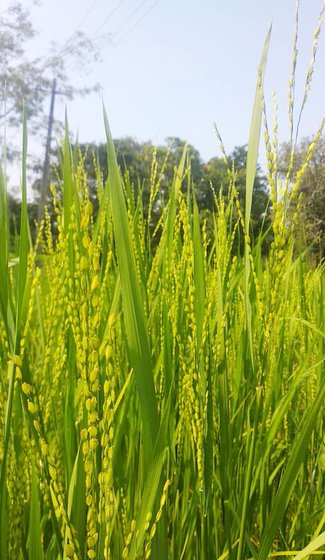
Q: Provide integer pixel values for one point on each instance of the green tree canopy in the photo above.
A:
(28, 81)
(135, 160)
(311, 218)
(216, 176)
(141, 162)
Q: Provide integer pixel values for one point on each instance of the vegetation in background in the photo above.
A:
(162, 398)
(312, 207)
(136, 160)
(28, 82)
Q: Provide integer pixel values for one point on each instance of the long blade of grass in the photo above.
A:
(288, 480)
(24, 231)
(5, 296)
(198, 273)
(76, 502)
(135, 322)
(4, 250)
(22, 276)
(314, 545)
(67, 178)
(254, 133)
(35, 546)
(152, 481)
(248, 481)
(252, 155)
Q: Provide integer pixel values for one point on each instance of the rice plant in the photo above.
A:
(161, 403)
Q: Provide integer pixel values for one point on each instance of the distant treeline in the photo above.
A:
(145, 166)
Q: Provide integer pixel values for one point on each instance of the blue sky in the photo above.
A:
(177, 66)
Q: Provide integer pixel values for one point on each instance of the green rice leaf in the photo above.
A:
(133, 307)
(314, 545)
(24, 228)
(294, 463)
(254, 134)
(76, 499)
(67, 178)
(252, 155)
(34, 541)
(22, 276)
(4, 250)
(198, 273)
(152, 481)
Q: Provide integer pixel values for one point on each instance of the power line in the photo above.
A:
(108, 17)
(65, 50)
(126, 21)
(83, 19)
(138, 22)
(133, 27)
(135, 11)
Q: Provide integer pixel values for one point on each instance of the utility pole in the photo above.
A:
(46, 165)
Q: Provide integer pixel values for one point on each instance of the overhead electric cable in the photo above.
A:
(140, 20)
(102, 25)
(65, 50)
(131, 16)
(83, 19)
(133, 27)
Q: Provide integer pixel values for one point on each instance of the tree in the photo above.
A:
(216, 177)
(29, 81)
(135, 160)
(311, 216)
(16, 77)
